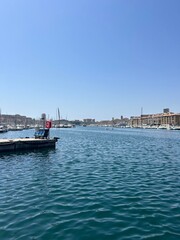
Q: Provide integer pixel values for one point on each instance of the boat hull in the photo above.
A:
(12, 145)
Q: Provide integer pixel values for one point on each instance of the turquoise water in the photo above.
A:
(96, 184)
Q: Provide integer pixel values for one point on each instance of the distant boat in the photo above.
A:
(175, 128)
(67, 126)
(64, 126)
(3, 129)
(59, 125)
(164, 126)
(16, 128)
(62, 123)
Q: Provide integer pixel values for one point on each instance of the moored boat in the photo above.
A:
(175, 128)
(3, 129)
(40, 140)
(7, 145)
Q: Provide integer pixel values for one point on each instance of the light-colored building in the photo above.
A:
(167, 117)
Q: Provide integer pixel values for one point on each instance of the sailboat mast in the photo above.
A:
(59, 116)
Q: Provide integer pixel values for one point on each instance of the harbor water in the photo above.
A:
(97, 184)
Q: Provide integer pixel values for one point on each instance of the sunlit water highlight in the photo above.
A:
(96, 184)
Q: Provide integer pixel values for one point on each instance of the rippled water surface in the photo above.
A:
(96, 184)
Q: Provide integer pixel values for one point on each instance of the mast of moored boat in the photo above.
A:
(59, 117)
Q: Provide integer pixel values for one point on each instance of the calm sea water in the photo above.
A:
(96, 184)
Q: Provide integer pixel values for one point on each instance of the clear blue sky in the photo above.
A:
(91, 58)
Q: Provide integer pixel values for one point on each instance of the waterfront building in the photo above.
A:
(167, 117)
(16, 120)
(89, 121)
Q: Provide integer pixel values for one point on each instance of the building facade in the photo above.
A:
(167, 117)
